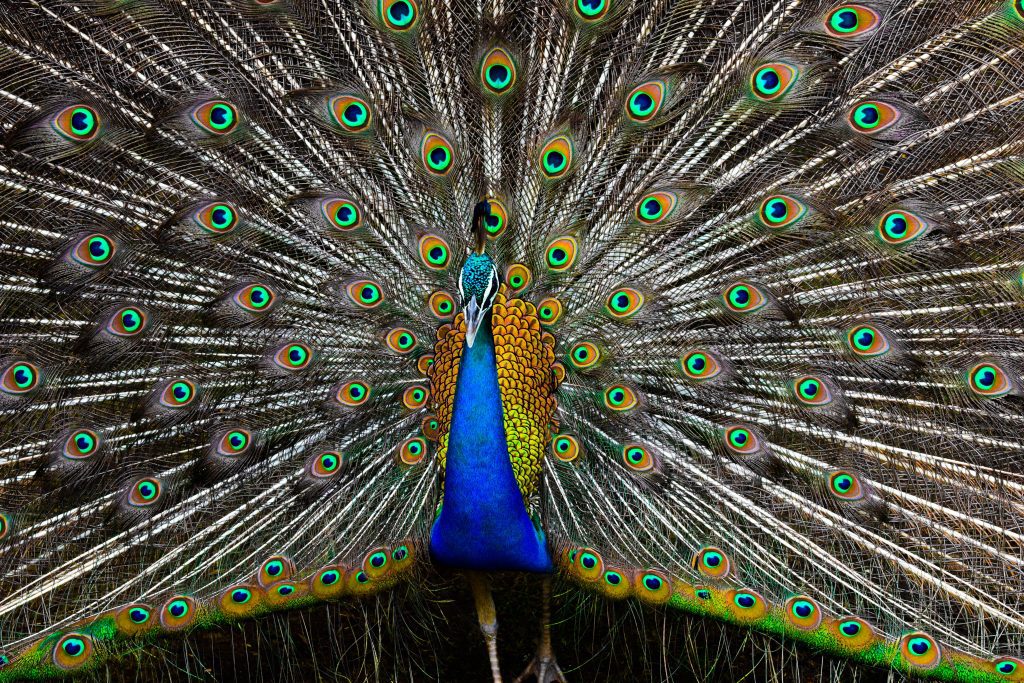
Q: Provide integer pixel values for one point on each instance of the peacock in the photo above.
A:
(699, 307)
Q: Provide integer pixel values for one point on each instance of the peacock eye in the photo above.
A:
(399, 15)
(216, 117)
(178, 393)
(19, 378)
(591, 10)
(655, 586)
(329, 577)
(78, 123)
(644, 101)
(850, 628)
(94, 251)
(255, 298)
(772, 81)
(72, 651)
(780, 211)
(920, 650)
(234, 442)
(745, 600)
(294, 356)
(743, 297)
(655, 207)
(353, 393)
(139, 615)
(872, 117)
(81, 444)
(411, 451)
(560, 254)
(565, 447)
(437, 154)
(867, 341)
(619, 397)
(434, 252)
(442, 305)
(584, 355)
(624, 302)
(127, 322)
(988, 380)
(898, 227)
(365, 293)
(341, 214)
(178, 612)
(518, 277)
(556, 157)
(1006, 667)
(325, 464)
(845, 485)
(497, 221)
(741, 440)
(549, 310)
(350, 113)
(847, 21)
(712, 562)
(217, 218)
(497, 71)
(803, 613)
(414, 397)
(401, 340)
(811, 391)
(700, 365)
(637, 457)
(144, 492)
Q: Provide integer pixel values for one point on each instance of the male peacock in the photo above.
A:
(710, 304)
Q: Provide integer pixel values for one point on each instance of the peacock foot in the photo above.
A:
(543, 668)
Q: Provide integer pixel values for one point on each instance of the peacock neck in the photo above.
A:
(483, 523)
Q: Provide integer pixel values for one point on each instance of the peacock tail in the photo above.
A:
(750, 332)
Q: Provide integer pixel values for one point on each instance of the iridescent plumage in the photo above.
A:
(692, 307)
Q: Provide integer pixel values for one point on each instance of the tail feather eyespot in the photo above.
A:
(217, 218)
(920, 650)
(712, 562)
(498, 71)
(644, 102)
(872, 117)
(399, 15)
(771, 82)
(78, 123)
(556, 157)
(19, 377)
(216, 117)
(850, 20)
(73, 651)
(566, 447)
(178, 613)
(437, 153)
(341, 214)
(94, 251)
(350, 114)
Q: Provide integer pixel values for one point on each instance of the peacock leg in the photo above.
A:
(543, 666)
(488, 618)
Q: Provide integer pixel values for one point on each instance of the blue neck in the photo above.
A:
(483, 522)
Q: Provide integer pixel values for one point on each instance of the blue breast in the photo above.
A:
(483, 523)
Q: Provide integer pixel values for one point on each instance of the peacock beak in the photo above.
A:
(474, 316)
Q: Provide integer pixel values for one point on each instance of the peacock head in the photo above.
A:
(478, 282)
